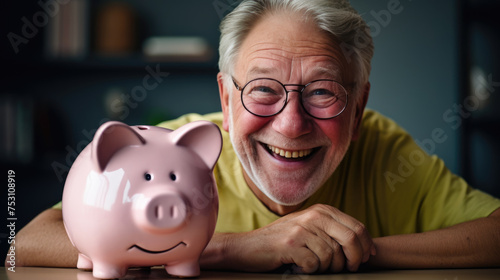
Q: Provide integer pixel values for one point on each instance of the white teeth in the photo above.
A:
(290, 154)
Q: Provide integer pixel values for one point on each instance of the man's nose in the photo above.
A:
(293, 121)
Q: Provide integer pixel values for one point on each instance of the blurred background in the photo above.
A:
(70, 65)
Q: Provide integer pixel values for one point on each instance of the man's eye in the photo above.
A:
(262, 90)
(321, 92)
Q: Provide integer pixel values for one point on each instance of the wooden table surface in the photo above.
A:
(39, 273)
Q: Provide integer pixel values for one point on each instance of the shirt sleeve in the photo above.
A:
(58, 205)
(417, 191)
(450, 200)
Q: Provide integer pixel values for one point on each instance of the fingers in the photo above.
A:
(323, 251)
(351, 245)
(311, 253)
(306, 250)
(306, 261)
(319, 239)
(338, 261)
(313, 259)
(335, 227)
(354, 233)
(328, 251)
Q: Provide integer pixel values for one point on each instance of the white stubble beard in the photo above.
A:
(258, 176)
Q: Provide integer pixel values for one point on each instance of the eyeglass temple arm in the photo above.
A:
(235, 84)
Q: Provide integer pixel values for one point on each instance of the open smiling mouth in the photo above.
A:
(289, 154)
(156, 252)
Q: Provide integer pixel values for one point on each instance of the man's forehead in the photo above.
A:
(290, 49)
(277, 45)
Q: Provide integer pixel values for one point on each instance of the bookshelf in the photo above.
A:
(86, 42)
(480, 84)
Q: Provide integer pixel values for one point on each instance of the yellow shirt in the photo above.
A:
(386, 181)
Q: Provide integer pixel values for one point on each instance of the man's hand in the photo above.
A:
(318, 239)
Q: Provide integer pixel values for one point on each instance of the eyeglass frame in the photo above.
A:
(303, 87)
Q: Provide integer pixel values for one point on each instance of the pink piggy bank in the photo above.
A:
(143, 196)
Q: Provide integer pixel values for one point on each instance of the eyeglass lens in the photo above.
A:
(321, 99)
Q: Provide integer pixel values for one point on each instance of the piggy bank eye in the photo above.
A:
(148, 177)
(173, 177)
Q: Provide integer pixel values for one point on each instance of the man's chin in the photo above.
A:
(288, 196)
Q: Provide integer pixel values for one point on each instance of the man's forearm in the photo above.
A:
(215, 254)
(471, 244)
(234, 251)
(44, 242)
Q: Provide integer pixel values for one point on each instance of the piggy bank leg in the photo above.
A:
(108, 271)
(84, 262)
(184, 269)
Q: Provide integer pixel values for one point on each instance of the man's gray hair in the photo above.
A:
(336, 17)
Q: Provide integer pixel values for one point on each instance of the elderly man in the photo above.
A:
(307, 177)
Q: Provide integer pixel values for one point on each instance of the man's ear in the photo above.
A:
(360, 108)
(224, 101)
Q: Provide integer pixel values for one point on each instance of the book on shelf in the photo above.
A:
(67, 34)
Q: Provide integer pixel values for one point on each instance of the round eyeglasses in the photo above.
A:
(266, 97)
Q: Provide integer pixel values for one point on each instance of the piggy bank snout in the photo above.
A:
(166, 211)
(161, 212)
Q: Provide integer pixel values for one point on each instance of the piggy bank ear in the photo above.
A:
(203, 137)
(109, 139)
